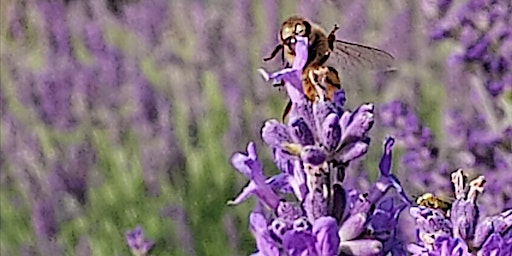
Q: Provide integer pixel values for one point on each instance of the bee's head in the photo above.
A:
(294, 26)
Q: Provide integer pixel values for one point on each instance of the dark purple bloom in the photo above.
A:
(139, 245)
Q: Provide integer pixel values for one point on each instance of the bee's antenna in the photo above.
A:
(332, 37)
(278, 48)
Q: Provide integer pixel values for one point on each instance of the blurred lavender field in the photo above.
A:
(118, 114)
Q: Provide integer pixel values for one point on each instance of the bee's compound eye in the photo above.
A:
(286, 33)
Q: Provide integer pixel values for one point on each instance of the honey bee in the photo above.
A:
(430, 200)
(325, 51)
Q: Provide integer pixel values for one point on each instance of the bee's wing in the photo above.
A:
(350, 57)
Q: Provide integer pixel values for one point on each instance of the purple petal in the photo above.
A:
(446, 245)
(352, 151)
(352, 227)
(301, 132)
(240, 161)
(385, 161)
(327, 240)
(247, 191)
(275, 133)
(250, 166)
(313, 155)
(299, 243)
(279, 227)
(315, 205)
(301, 50)
(339, 99)
(497, 223)
(280, 182)
(288, 211)
(331, 132)
(293, 76)
(464, 216)
(359, 124)
(259, 227)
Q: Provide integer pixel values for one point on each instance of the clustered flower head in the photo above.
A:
(483, 30)
(312, 151)
(460, 231)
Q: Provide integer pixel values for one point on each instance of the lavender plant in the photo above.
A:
(476, 117)
(112, 113)
(312, 151)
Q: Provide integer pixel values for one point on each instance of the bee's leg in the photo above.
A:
(332, 37)
(286, 110)
(278, 48)
(279, 85)
(282, 59)
(333, 83)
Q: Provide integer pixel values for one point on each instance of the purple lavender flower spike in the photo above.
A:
(481, 29)
(312, 152)
(327, 241)
(139, 245)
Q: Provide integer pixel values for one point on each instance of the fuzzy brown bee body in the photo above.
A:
(320, 82)
(324, 51)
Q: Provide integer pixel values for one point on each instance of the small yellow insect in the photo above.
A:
(429, 200)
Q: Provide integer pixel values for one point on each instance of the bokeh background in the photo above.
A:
(125, 113)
